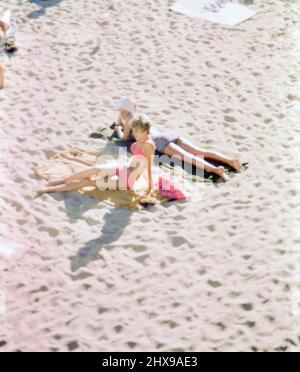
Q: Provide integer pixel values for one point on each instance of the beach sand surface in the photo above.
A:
(220, 273)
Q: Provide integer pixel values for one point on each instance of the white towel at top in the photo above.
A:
(218, 11)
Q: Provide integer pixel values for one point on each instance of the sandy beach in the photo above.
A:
(216, 274)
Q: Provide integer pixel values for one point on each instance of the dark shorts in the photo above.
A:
(164, 140)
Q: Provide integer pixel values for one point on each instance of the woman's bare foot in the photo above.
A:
(235, 164)
(75, 152)
(40, 193)
(220, 171)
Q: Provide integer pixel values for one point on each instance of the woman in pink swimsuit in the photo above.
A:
(145, 148)
(113, 176)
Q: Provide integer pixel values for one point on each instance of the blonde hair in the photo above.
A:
(141, 122)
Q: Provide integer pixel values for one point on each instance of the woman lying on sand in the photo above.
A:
(173, 144)
(120, 176)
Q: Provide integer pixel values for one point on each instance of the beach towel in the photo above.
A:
(217, 11)
(58, 166)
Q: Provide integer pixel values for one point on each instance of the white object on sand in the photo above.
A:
(9, 248)
(225, 14)
(6, 18)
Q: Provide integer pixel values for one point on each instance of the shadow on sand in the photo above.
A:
(115, 223)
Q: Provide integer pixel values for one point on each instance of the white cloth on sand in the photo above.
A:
(218, 11)
(6, 18)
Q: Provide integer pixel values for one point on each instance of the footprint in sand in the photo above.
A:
(230, 119)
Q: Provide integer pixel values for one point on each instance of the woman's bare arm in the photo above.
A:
(149, 152)
(127, 132)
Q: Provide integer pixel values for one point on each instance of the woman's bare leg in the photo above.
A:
(70, 187)
(105, 170)
(197, 151)
(77, 177)
(178, 152)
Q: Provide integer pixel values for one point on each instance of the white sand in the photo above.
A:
(217, 274)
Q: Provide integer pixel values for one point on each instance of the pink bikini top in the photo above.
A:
(137, 149)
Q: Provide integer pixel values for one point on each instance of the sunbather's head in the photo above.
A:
(141, 126)
(127, 108)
